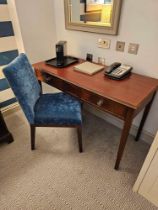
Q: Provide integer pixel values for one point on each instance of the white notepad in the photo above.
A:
(88, 68)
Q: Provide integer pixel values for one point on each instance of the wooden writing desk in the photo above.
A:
(123, 99)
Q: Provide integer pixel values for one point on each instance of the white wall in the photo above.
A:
(16, 25)
(34, 19)
(138, 24)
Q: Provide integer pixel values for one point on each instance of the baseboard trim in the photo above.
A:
(145, 136)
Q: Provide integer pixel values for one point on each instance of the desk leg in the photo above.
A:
(145, 114)
(124, 136)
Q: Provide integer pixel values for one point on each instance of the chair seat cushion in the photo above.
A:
(57, 109)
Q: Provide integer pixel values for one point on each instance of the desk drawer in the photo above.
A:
(100, 102)
(105, 104)
(62, 85)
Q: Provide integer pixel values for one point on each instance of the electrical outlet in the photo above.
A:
(89, 57)
(133, 48)
(120, 46)
(104, 43)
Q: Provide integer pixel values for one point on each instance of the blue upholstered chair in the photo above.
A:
(42, 110)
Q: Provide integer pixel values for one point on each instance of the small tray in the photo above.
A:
(68, 60)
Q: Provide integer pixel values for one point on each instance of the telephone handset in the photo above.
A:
(118, 71)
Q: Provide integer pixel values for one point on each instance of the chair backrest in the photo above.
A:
(24, 84)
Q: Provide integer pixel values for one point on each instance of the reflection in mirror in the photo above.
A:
(92, 12)
(99, 16)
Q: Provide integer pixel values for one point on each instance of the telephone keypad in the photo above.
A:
(120, 70)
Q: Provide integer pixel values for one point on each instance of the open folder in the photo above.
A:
(88, 68)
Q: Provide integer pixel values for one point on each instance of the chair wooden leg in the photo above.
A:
(79, 133)
(33, 130)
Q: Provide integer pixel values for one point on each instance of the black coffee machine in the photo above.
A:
(60, 52)
(62, 59)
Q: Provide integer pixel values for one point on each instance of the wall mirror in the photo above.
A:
(97, 16)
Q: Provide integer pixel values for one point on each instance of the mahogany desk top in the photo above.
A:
(131, 92)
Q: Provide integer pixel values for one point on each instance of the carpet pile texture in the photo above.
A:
(57, 176)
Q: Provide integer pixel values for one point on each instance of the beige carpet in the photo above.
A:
(56, 176)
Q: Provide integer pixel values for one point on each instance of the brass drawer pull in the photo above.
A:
(100, 102)
(47, 77)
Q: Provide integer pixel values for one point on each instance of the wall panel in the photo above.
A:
(8, 51)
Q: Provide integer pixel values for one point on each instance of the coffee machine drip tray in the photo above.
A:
(68, 60)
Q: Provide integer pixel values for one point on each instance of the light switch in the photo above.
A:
(104, 43)
(133, 48)
(120, 46)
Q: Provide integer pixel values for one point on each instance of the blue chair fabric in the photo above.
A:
(24, 84)
(58, 109)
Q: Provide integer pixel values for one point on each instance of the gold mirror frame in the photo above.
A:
(112, 30)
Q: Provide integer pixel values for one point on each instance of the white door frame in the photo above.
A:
(150, 156)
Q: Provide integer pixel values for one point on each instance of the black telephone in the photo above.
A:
(118, 71)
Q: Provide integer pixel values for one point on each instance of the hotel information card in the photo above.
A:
(88, 68)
